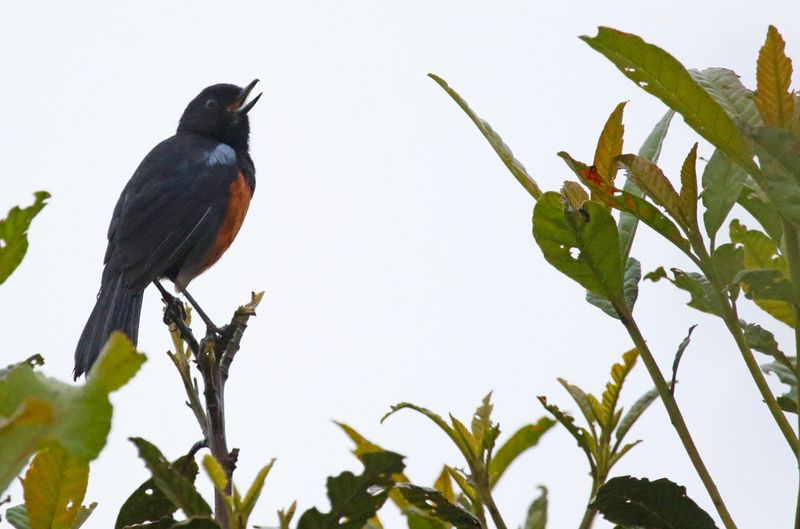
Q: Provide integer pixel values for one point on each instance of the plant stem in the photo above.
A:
(589, 515)
(499, 523)
(672, 410)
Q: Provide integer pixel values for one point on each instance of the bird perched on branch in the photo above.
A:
(177, 215)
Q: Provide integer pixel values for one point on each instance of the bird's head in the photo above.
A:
(220, 112)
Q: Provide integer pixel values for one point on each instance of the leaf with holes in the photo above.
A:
(522, 440)
(773, 77)
(659, 504)
(609, 145)
(54, 487)
(434, 504)
(356, 499)
(583, 244)
(660, 74)
(630, 289)
(14, 234)
(503, 151)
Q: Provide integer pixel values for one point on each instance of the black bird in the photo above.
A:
(177, 215)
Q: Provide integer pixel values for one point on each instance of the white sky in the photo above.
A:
(394, 247)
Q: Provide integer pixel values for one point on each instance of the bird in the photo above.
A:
(177, 215)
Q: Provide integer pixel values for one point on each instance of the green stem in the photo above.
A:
(589, 515)
(673, 410)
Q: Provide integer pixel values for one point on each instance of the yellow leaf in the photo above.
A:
(54, 487)
(773, 76)
(609, 145)
(689, 186)
(216, 473)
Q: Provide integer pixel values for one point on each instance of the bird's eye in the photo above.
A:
(211, 103)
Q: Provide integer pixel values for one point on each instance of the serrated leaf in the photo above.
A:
(702, 293)
(148, 503)
(54, 487)
(582, 399)
(609, 145)
(650, 150)
(483, 429)
(633, 414)
(651, 180)
(688, 193)
(630, 289)
(355, 499)
(727, 90)
(619, 372)
(17, 516)
(503, 151)
(574, 194)
(38, 411)
(175, 486)
(583, 244)
(14, 234)
(761, 340)
(660, 74)
(434, 504)
(659, 504)
(656, 275)
(537, 512)
(522, 440)
(580, 435)
(722, 186)
(778, 153)
(678, 356)
(773, 77)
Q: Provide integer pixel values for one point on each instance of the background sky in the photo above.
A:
(394, 248)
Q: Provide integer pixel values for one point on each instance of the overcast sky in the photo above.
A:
(394, 248)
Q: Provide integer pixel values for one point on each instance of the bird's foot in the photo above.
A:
(173, 309)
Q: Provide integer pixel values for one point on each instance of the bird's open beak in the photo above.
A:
(239, 105)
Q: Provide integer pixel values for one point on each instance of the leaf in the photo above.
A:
(253, 493)
(148, 503)
(38, 411)
(728, 91)
(756, 203)
(583, 244)
(434, 504)
(660, 74)
(537, 512)
(630, 289)
(285, 516)
(197, 522)
(355, 499)
(583, 401)
(650, 150)
(688, 192)
(728, 260)
(523, 439)
(648, 177)
(574, 194)
(722, 185)
(659, 504)
(761, 340)
(786, 374)
(14, 234)
(702, 293)
(609, 145)
(619, 372)
(117, 364)
(54, 487)
(656, 275)
(83, 515)
(766, 284)
(773, 77)
(17, 516)
(678, 356)
(175, 486)
(215, 472)
(567, 421)
(503, 151)
(779, 157)
(484, 430)
(466, 446)
(630, 418)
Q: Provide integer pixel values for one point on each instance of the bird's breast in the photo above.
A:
(238, 202)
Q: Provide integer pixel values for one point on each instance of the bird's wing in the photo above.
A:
(174, 203)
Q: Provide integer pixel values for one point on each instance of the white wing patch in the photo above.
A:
(222, 154)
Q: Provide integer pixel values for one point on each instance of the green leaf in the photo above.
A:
(688, 192)
(766, 284)
(729, 92)
(761, 340)
(756, 203)
(728, 260)
(434, 504)
(722, 185)
(636, 411)
(483, 429)
(656, 275)
(466, 446)
(17, 516)
(660, 74)
(175, 486)
(650, 150)
(253, 493)
(523, 439)
(773, 77)
(567, 421)
(786, 374)
(619, 372)
(583, 401)
(355, 499)
(583, 244)
(574, 194)
(537, 512)
(503, 151)
(659, 504)
(678, 356)
(37, 411)
(54, 487)
(14, 234)
(651, 180)
(148, 503)
(199, 522)
(609, 145)
(285, 515)
(701, 291)
(777, 152)
(117, 364)
(83, 514)
(630, 289)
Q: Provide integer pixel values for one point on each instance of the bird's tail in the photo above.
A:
(117, 309)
